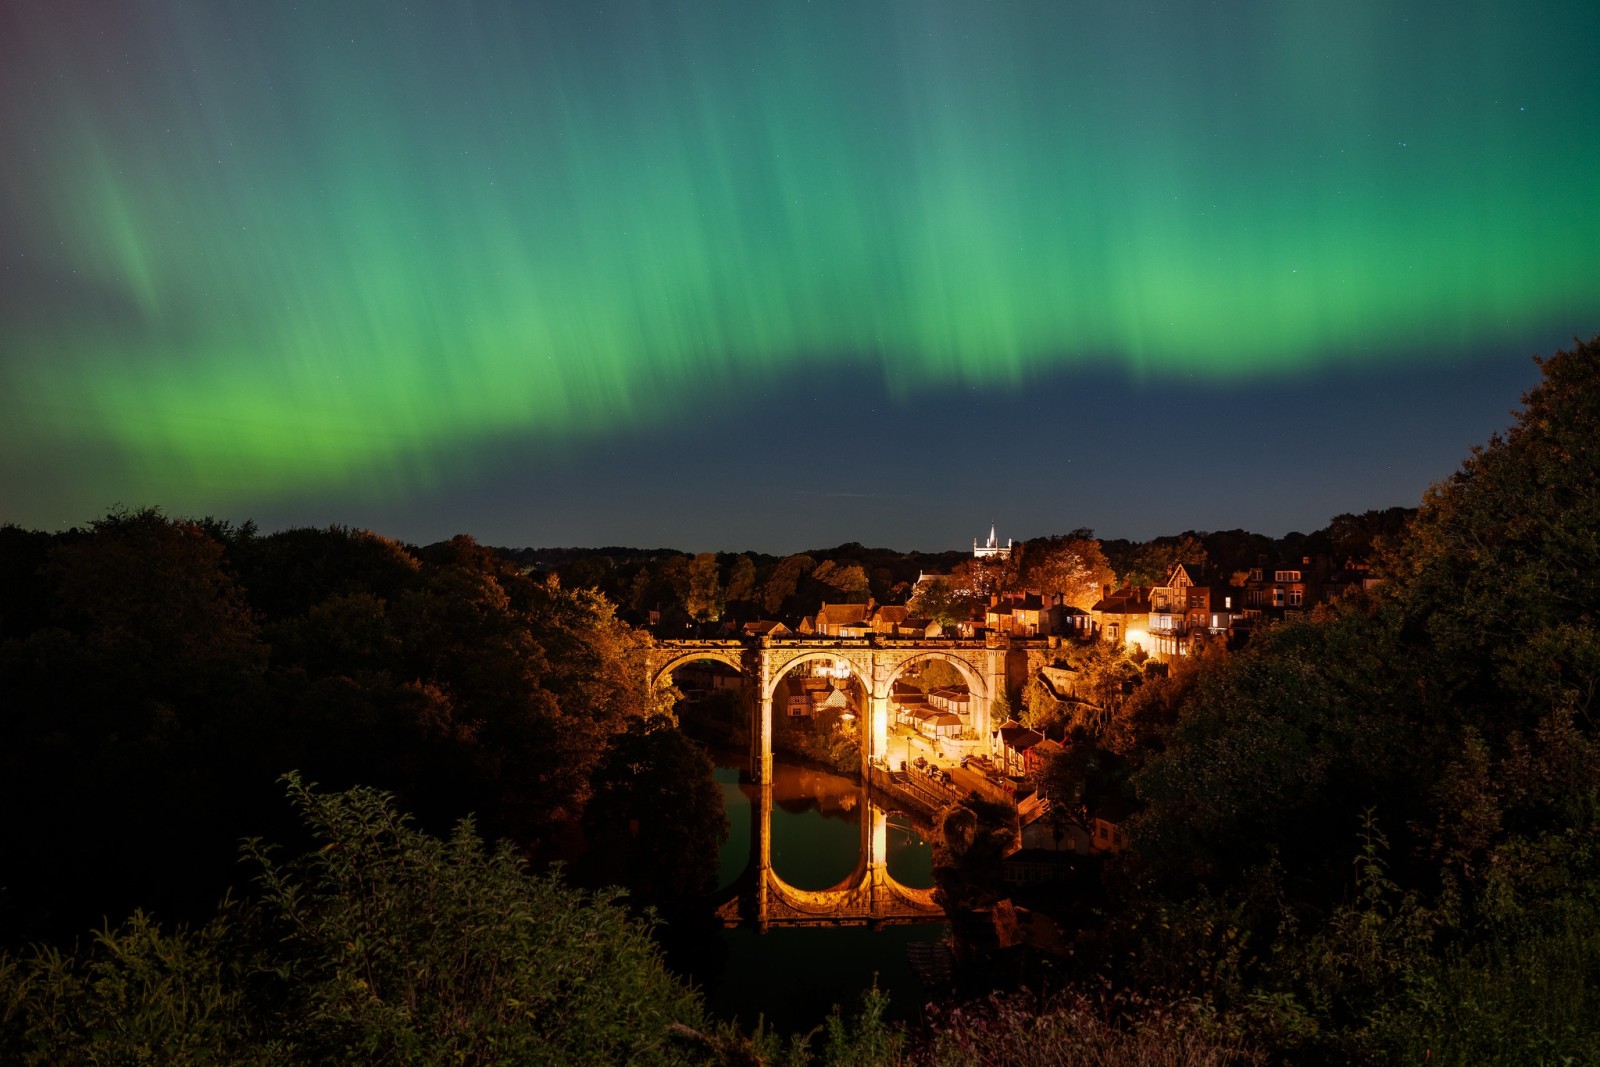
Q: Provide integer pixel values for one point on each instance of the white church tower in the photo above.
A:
(992, 548)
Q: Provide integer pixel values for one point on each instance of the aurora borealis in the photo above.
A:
(496, 267)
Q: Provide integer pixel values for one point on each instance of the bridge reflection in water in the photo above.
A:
(792, 975)
(867, 896)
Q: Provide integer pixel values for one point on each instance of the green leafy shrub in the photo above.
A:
(381, 945)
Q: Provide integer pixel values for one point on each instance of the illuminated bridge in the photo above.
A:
(874, 661)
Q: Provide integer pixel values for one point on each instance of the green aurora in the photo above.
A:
(253, 250)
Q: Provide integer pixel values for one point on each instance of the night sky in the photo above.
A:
(751, 276)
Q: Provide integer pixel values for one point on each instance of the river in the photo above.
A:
(793, 977)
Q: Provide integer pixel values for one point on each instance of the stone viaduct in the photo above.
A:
(869, 895)
(990, 666)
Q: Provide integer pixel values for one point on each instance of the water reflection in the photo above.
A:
(910, 853)
(810, 852)
(793, 976)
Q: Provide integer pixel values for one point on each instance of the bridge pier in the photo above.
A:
(875, 735)
(875, 826)
(761, 736)
(763, 854)
(995, 668)
(761, 757)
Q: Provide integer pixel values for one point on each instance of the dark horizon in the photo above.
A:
(1401, 441)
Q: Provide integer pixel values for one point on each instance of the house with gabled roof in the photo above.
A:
(967, 629)
(1108, 827)
(886, 618)
(1069, 621)
(909, 704)
(836, 700)
(1015, 741)
(1120, 612)
(1018, 614)
(832, 620)
(956, 698)
(1039, 756)
(1283, 589)
(765, 628)
(1192, 605)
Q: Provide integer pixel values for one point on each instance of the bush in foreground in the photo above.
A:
(383, 945)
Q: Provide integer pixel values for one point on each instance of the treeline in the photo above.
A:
(1346, 537)
(159, 675)
(675, 590)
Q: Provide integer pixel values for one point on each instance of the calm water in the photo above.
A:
(793, 977)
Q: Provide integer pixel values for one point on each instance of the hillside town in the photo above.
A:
(1027, 746)
(1193, 603)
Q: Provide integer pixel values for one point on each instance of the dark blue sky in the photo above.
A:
(813, 461)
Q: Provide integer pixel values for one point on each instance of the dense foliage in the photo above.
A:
(682, 591)
(160, 674)
(653, 824)
(1373, 835)
(381, 945)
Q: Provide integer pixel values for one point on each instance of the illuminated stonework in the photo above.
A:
(991, 549)
(875, 661)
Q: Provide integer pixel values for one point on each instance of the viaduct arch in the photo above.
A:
(875, 661)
